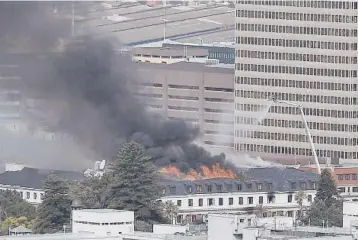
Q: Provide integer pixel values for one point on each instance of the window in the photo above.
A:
(290, 214)
(41, 195)
(354, 189)
(249, 186)
(35, 195)
(229, 187)
(190, 202)
(231, 200)
(241, 201)
(211, 201)
(293, 185)
(172, 190)
(303, 185)
(341, 189)
(289, 198)
(199, 188)
(178, 203)
(347, 176)
(269, 186)
(210, 188)
(250, 200)
(309, 198)
(201, 202)
(261, 200)
(354, 176)
(28, 195)
(340, 176)
(189, 189)
(259, 186)
(221, 201)
(219, 187)
(239, 187)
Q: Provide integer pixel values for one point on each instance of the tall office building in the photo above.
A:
(302, 52)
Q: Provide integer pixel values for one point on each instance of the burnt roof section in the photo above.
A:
(35, 178)
(177, 51)
(272, 179)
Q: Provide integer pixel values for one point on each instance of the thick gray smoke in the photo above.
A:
(91, 87)
(86, 90)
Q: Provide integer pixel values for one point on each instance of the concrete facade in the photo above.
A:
(103, 222)
(350, 214)
(194, 92)
(303, 52)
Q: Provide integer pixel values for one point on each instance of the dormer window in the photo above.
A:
(172, 190)
(313, 185)
(199, 188)
(210, 188)
(269, 186)
(303, 185)
(239, 187)
(249, 186)
(219, 187)
(259, 186)
(293, 185)
(229, 187)
(189, 189)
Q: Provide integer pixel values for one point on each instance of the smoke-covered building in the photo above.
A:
(194, 92)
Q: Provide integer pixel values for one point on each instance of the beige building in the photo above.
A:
(193, 92)
(302, 52)
(168, 55)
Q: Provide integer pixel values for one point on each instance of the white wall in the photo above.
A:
(104, 222)
(168, 229)
(350, 213)
(221, 227)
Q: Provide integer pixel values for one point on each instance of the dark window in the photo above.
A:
(354, 176)
(28, 195)
(221, 201)
(293, 185)
(261, 200)
(250, 200)
(211, 201)
(210, 188)
(41, 195)
(241, 201)
(347, 176)
(340, 176)
(219, 187)
(355, 189)
(249, 186)
(239, 187)
(179, 203)
(309, 198)
(303, 185)
(200, 202)
(290, 214)
(22, 194)
(190, 202)
(341, 189)
(189, 189)
(35, 195)
(289, 198)
(313, 185)
(231, 201)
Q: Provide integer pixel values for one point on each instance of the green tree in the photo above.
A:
(12, 205)
(133, 183)
(170, 211)
(300, 197)
(12, 222)
(55, 209)
(327, 207)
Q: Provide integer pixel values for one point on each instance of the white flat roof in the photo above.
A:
(103, 210)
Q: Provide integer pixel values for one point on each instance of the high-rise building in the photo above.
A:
(302, 52)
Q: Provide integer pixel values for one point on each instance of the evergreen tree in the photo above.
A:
(55, 209)
(327, 207)
(327, 188)
(133, 183)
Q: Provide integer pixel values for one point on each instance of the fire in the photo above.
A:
(215, 171)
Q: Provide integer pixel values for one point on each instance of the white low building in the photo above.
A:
(103, 222)
(266, 191)
(350, 214)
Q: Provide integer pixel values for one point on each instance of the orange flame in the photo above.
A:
(215, 171)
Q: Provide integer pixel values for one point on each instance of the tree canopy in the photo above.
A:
(12, 205)
(133, 183)
(327, 208)
(55, 209)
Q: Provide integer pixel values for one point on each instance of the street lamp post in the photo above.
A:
(308, 131)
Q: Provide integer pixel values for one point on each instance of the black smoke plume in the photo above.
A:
(94, 87)
(86, 90)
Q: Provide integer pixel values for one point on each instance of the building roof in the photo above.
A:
(171, 51)
(35, 178)
(20, 229)
(270, 179)
(102, 210)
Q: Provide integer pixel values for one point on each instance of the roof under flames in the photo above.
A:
(272, 179)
